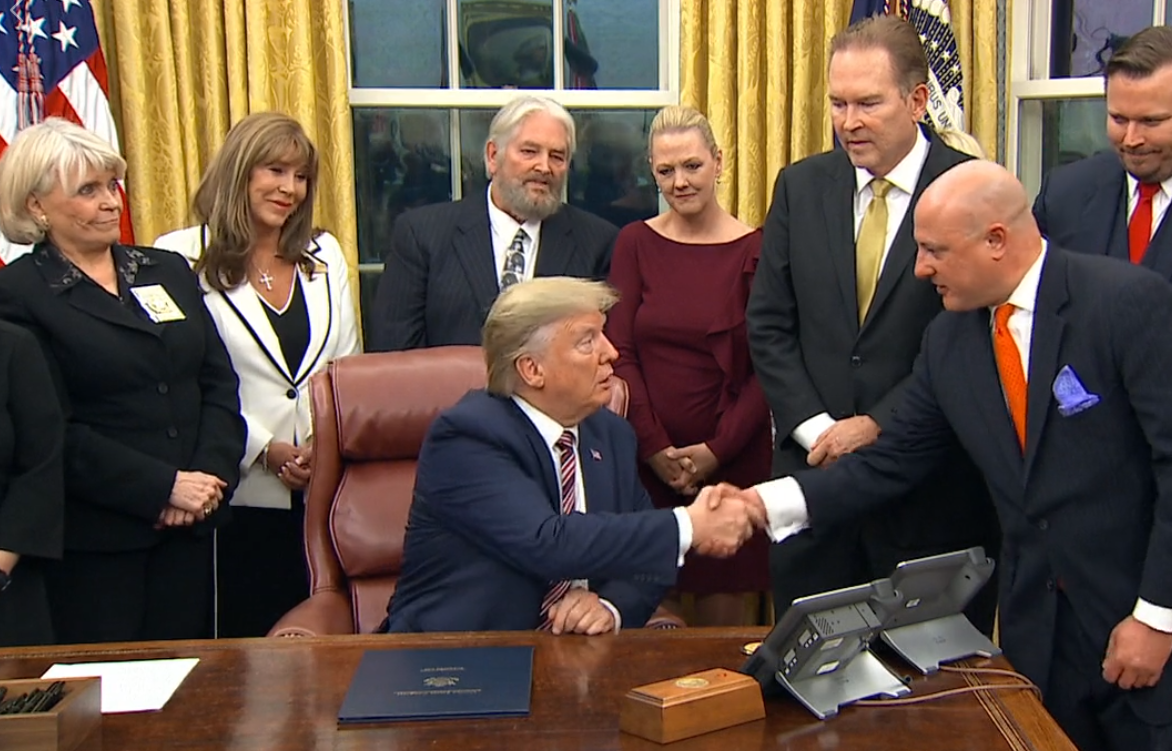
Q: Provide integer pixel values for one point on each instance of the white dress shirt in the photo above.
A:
(786, 504)
(504, 229)
(1160, 201)
(903, 178)
(551, 432)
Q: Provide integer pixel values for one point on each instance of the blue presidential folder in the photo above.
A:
(435, 684)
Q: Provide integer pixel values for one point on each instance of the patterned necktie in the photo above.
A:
(869, 246)
(1013, 379)
(1139, 230)
(514, 270)
(568, 474)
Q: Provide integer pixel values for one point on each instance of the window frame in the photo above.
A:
(454, 98)
(1029, 53)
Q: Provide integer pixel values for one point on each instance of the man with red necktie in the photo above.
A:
(1113, 203)
(528, 512)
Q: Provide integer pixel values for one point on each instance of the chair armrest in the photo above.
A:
(325, 612)
(663, 618)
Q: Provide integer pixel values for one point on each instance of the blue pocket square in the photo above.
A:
(1072, 396)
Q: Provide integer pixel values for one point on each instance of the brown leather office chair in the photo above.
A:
(370, 414)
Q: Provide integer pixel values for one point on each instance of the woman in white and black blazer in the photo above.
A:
(279, 292)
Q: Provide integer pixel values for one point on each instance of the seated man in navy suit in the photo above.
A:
(1052, 371)
(528, 512)
(1115, 202)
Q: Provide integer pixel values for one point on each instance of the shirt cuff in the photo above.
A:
(1153, 616)
(684, 522)
(618, 618)
(808, 432)
(785, 507)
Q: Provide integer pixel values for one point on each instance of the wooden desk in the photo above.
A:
(284, 694)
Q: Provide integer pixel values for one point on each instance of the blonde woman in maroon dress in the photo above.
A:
(697, 409)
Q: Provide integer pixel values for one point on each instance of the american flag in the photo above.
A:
(934, 22)
(51, 64)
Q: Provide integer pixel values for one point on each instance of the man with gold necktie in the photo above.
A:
(836, 315)
(1052, 369)
(528, 512)
(1115, 202)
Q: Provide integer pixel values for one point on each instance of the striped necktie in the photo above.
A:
(568, 474)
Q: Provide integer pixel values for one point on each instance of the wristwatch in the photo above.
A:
(5, 580)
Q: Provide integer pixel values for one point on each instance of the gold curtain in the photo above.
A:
(974, 22)
(757, 68)
(183, 72)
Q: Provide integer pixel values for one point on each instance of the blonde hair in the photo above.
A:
(41, 157)
(961, 141)
(676, 118)
(519, 321)
(222, 203)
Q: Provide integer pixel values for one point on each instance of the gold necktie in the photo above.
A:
(870, 245)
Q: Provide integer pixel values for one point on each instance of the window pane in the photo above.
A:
(367, 286)
(398, 43)
(506, 43)
(612, 44)
(402, 159)
(609, 175)
(1084, 33)
(1071, 129)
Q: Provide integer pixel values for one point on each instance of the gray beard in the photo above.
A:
(517, 201)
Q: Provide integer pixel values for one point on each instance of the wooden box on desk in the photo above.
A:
(682, 707)
(76, 719)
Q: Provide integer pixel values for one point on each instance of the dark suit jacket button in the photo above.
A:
(856, 361)
(163, 388)
(172, 432)
(1043, 525)
(291, 393)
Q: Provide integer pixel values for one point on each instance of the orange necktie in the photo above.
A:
(1139, 229)
(1013, 379)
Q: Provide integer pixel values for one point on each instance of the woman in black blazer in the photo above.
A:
(153, 433)
(31, 487)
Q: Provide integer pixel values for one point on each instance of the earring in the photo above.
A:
(43, 222)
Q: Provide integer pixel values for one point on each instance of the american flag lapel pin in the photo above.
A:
(596, 455)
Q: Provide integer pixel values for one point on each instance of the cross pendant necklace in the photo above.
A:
(266, 279)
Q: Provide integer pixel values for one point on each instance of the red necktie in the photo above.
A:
(1013, 379)
(1139, 230)
(568, 471)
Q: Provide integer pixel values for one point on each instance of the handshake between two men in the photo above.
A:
(724, 517)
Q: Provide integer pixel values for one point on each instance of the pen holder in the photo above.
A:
(75, 720)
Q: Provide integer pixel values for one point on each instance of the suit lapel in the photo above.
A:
(319, 297)
(839, 212)
(541, 450)
(556, 246)
(1104, 218)
(981, 374)
(245, 303)
(1045, 343)
(472, 245)
(1159, 255)
(592, 463)
(903, 246)
(91, 299)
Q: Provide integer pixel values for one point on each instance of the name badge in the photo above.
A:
(157, 303)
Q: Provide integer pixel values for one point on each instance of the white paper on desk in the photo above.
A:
(131, 685)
